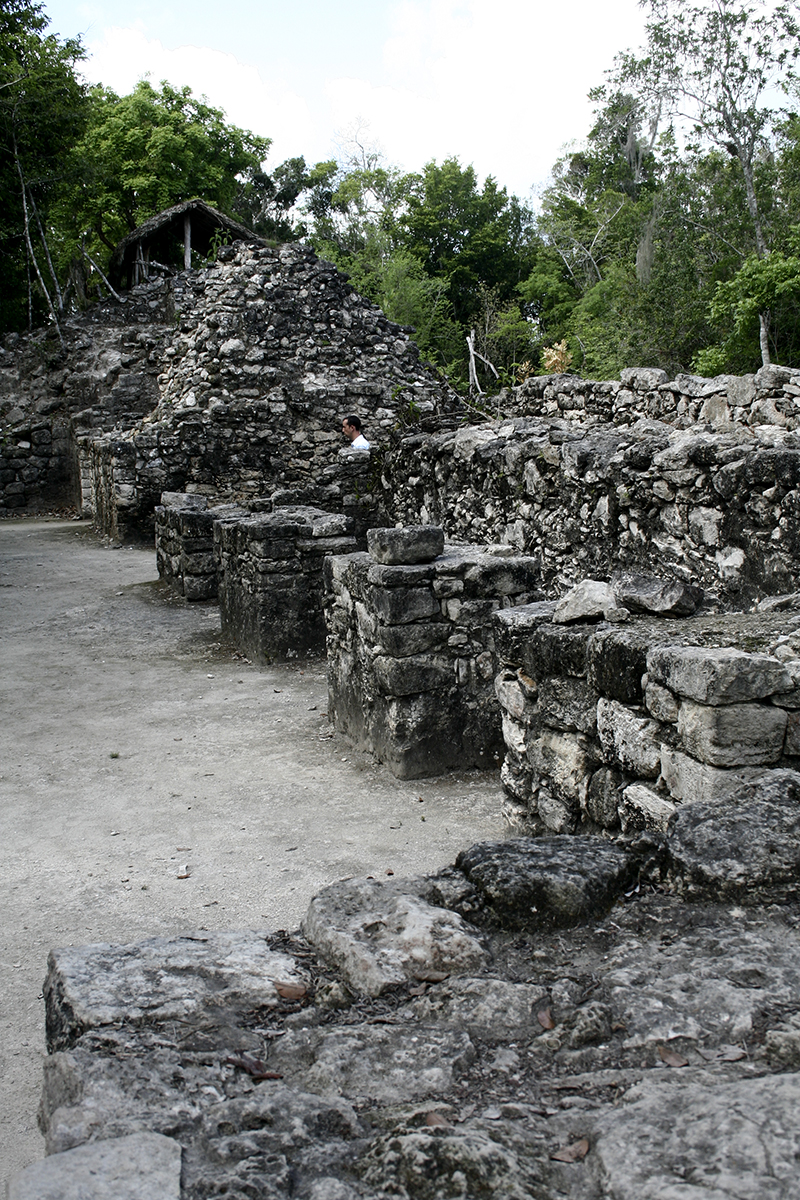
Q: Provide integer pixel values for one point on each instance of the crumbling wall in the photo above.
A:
(411, 648)
(272, 348)
(720, 509)
(769, 397)
(615, 725)
(54, 398)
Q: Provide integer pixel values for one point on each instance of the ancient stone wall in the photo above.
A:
(615, 725)
(54, 399)
(411, 650)
(185, 543)
(720, 509)
(271, 579)
(771, 396)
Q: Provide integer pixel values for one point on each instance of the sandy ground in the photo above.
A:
(152, 781)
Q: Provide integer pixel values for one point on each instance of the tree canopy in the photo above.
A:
(670, 236)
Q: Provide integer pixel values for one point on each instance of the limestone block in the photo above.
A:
(401, 606)
(161, 978)
(511, 697)
(661, 703)
(616, 659)
(717, 676)
(141, 1166)
(689, 780)
(199, 587)
(643, 379)
(526, 882)
(490, 1009)
(631, 741)
(556, 815)
(514, 735)
(412, 674)
(400, 640)
(647, 593)
(401, 576)
(556, 650)
(603, 797)
(733, 735)
(183, 500)
(746, 847)
(740, 1137)
(642, 808)
(704, 525)
(565, 763)
(567, 703)
(792, 743)
(410, 544)
(378, 935)
(589, 600)
(198, 564)
(383, 1064)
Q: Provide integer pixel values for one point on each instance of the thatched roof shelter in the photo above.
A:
(166, 241)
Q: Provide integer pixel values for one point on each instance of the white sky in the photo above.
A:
(500, 84)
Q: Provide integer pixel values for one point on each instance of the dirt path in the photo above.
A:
(151, 782)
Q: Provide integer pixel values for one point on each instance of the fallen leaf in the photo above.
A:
(254, 1067)
(545, 1019)
(389, 871)
(732, 1054)
(291, 991)
(672, 1058)
(574, 1152)
(436, 1118)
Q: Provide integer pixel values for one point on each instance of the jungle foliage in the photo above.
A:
(669, 237)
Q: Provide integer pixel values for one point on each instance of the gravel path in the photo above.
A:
(152, 782)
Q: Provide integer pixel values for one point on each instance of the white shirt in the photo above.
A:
(359, 443)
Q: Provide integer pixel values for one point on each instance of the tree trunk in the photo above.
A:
(29, 245)
(763, 337)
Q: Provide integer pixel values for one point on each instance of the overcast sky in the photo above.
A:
(500, 84)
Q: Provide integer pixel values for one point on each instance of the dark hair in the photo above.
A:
(355, 422)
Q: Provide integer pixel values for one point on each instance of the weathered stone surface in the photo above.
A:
(661, 703)
(717, 676)
(429, 1164)
(400, 606)
(526, 882)
(690, 780)
(142, 1166)
(589, 601)
(377, 935)
(602, 800)
(733, 735)
(646, 593)
(729, 1141)
(567, 703)
(642, 808)
(632, 741)
(493, 1009)
(364, 1062)
(91, 986)
(746, 847)
(411, 674)
(410, 544)
(563, 763)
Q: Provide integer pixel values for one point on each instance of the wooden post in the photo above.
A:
(187, 240)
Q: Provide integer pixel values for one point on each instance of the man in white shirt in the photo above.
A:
(351, 428)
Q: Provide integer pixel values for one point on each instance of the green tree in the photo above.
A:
(713, 67)
(42, 112)
(144, 152)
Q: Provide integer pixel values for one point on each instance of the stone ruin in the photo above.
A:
(598, 584)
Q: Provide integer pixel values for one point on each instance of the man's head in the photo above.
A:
(351, 428)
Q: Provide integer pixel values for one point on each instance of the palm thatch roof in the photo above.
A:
(167, 239)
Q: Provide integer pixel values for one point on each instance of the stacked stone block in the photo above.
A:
(271, 579)
(185, 542)
(614, 725)
(411, 647)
